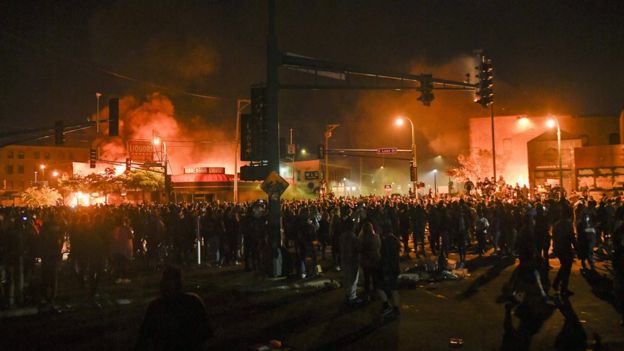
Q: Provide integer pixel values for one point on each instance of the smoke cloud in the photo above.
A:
(190, 140)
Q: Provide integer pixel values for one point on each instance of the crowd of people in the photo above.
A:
(359, 235)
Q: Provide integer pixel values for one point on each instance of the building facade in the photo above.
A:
(526, 148)
(22, 166)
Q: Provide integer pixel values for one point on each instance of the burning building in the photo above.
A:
(527, 150)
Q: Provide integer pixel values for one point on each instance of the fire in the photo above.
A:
(78, 199)
(189, 142)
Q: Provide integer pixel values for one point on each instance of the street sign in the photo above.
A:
(387, 150)
(291, 149)
(311, 175)
(274, 184)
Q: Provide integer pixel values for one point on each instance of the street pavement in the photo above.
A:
(248, 310)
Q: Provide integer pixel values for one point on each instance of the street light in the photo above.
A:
(55, 173)
(552, 123)
(435, 182)
(399, 122)
(97, 112)
(42, 167)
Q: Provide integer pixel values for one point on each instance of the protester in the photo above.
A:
(350, 260)
(564, 244)
(389, 272)
(370, 245)
(176, 320)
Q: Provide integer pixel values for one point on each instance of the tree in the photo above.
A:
(42, 196)
(477, 165)
(143, 180)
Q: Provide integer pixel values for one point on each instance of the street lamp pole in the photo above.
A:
(97, 112)
(240, 105)
(560, 162)
(435, 182)
(399, 122)
(328, 134)
(554, 122)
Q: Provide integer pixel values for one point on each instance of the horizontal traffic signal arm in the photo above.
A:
(339, 71)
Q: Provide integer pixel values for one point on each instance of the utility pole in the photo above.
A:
(493, 142)
(241, 104)
(272, 90)
(360, 175)
(328, 134)
(294, 153)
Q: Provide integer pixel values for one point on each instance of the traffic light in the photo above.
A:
(258, 125)
(113, 117)
(321, 151)
(484, 94)
(128, 165)
(413, 173)
(59, 129)
(426, 90)
(92, 158)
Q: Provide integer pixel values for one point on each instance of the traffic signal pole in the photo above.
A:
(272, 90)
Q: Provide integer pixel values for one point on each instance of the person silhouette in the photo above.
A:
(176, 320)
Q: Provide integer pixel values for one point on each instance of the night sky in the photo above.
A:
(562, 57)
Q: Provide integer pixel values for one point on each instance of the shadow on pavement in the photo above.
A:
(601, 286)
(572, 336)
(531, 318)
(386, 339)
(499, 265)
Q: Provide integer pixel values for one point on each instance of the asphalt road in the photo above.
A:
(246, 310)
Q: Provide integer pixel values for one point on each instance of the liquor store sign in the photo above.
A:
(141, 151)
(204, 170)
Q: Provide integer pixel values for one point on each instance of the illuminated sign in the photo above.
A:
(204, 170)
(309, 175)
(141, 150)
(387, 150)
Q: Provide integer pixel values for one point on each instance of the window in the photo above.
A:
(20, 169)
(37, 155)
(10, 154)
(20, 155)
(9, 169)
(46, 155)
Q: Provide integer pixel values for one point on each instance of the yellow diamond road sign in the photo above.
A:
(274, 184)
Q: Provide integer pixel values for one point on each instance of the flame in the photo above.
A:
(189, 142)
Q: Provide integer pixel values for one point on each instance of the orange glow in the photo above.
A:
(523, 122)
(190, 140)
(55, 173)
(78, 199)
(551, 123)
(399, 121)
(42, 167)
